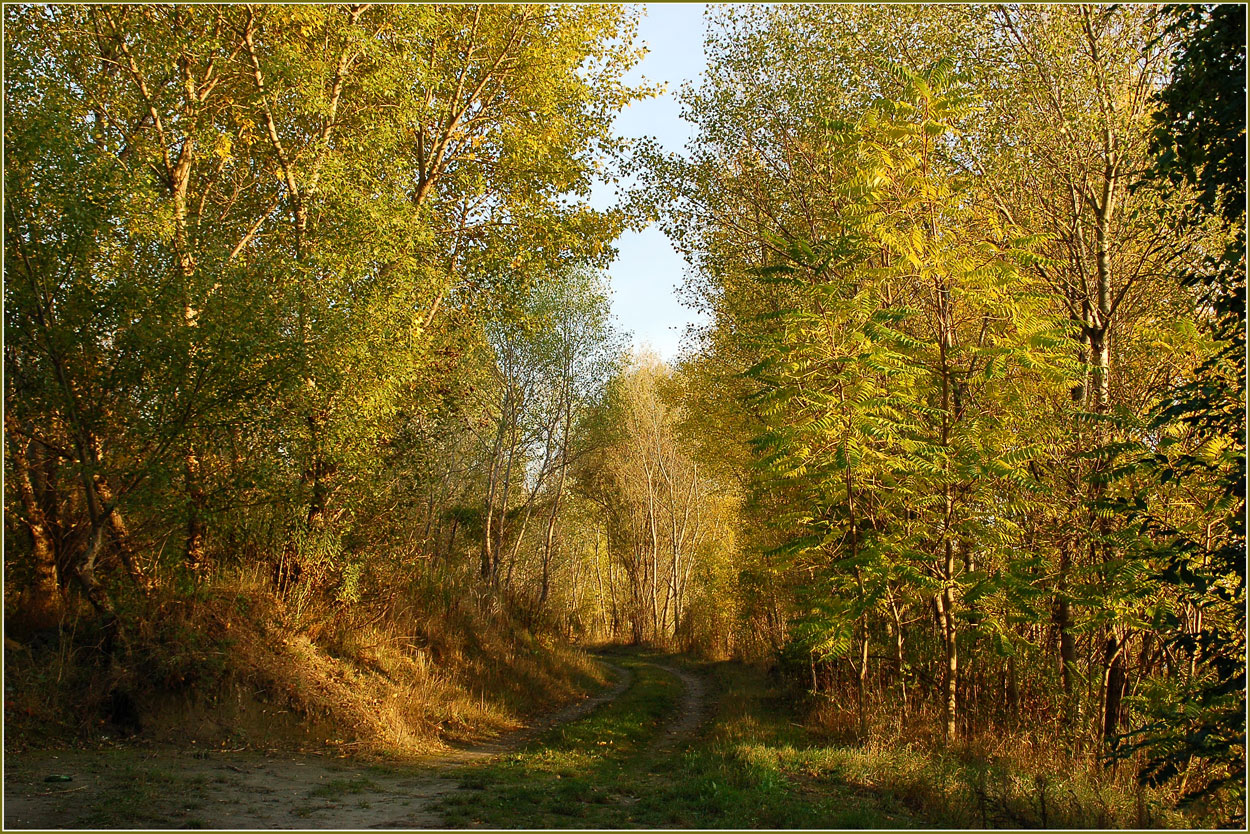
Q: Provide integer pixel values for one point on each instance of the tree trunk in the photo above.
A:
(121, 535)
(603, 608)
(549, 536)
(1100, 356)
(195, 558)
(899, 658)
(1063, 622)
(85, 571)
(1013, 688)
(496, 463)
(655, 558)
(43, 605)
(951, 676)
(1115, 683)
(862, 678)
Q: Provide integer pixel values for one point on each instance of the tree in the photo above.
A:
(1199, 142)
(1040, 171)
(891, 392)
(663, 516)
(553, 352)
(251, 241)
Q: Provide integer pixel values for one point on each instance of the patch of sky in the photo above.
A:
(648, 271)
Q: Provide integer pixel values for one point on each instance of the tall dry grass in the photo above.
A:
(233, 661)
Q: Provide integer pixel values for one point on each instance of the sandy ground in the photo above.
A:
(144, 787)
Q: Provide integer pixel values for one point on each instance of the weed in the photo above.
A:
(337, 788)
(138, 798)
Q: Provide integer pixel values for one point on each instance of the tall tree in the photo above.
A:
(1199, 143)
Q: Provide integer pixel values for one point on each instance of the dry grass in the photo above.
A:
(996, 777)
(236, 665)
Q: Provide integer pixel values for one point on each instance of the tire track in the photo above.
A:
(690, 712)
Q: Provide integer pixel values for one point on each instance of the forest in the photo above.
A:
(313, 386)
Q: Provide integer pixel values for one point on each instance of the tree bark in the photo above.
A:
(862, 678)
(951, 676)
(1114, 685)
(1063, 622)
(43, 605)
(195, 558)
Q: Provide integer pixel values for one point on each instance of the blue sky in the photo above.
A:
(648, 271)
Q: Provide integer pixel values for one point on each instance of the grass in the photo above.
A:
(756, 764)
(229, 664)
(606, 770)
(139, 798)
(758, 761)
(338, 788)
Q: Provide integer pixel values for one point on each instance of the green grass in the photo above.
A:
(755, 765)
(138, 798)
(605, 771)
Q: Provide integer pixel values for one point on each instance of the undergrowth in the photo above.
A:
(229, 662)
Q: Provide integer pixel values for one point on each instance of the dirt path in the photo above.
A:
(512, 741)
(131, 788)
(691, 711)
(136, 787)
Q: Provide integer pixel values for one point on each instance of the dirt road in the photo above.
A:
(148, 787)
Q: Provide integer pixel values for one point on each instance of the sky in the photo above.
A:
(648, 271)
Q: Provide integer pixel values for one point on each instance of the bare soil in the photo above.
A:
(161, 786)
(692, 709)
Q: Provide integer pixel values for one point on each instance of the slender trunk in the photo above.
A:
(862, 680)
(603, 608)
(516, 543)
(496, 463)
(43, 603)
(549, 536)
(505, 494)
(1115, 683)
(451, 540)
(950, 681)
(655, 556)
(1063, 622)
(616, 605)
(179, 177)
(1013, 688)
(899, 659)
(575, 593)
(195, 559)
